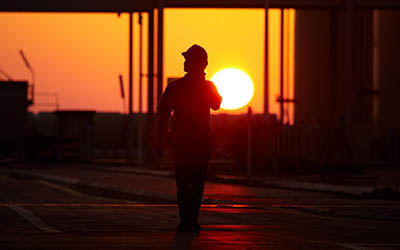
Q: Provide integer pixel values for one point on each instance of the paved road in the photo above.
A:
(41, 215)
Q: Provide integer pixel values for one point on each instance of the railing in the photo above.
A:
(275, 146)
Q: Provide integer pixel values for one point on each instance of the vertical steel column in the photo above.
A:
(130, 116)
(348, 64)
(150, 74)
(266, 61)
(288, 61)
(249, 143)
(160, 47)
(130, 61)
(140, 62)
(282, 69)
(333, 61)
(140, 120)
(150, 121)
(375, 66)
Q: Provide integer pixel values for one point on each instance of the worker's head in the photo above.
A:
(196, 59)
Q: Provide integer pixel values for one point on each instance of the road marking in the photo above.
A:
(58, 187)
(33, 219)
(116, 205)
(79, 194)
(331, 206)
(354, 247)
(366, 246)
(4, 177)
(7, 179)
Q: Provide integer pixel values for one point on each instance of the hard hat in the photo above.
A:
(196, 52)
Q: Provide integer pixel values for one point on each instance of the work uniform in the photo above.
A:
(190, 98)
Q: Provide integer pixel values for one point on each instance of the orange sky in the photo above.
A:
(79, 56)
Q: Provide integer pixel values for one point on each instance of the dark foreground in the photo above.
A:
(38, 214)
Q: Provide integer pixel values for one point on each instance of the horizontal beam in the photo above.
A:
(146, 5)
(296, 4)
(377, 4)
(76, 5)
(253, 3)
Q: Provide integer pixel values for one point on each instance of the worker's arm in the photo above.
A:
(163, 119)
(164, 108)
(215, 98)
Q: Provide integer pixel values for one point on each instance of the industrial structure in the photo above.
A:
(346, 76)
(13, 109)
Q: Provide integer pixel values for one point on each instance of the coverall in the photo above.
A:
(190, 98)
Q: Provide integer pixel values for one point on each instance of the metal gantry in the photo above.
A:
(149, 6)
(152, 6)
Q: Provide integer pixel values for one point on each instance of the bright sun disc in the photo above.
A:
(235, 87)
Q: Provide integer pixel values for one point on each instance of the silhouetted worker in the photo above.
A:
(190, 98)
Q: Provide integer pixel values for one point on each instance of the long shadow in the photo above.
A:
(184, 240)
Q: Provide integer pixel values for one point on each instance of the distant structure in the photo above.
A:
(346, 72)
(13, 111)
(347, 76)
(74, 135)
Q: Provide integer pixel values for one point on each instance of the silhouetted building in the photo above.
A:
(13, 112)
(350, 109)
(75, 134)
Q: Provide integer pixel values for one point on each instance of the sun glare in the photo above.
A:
(235, 87)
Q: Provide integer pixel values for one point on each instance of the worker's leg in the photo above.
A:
(191, 162)
(184, 190)
(198, 181)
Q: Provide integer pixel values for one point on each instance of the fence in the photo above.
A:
(276, 146)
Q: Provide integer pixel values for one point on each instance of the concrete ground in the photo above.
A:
(100, 207)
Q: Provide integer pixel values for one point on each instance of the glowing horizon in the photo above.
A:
(79, 56)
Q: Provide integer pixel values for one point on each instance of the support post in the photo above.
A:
(130, 115)
(348, 64)
(140, 120)
(249, 144)
(281, 98)
(150, 74)
(140, 63)
(287, 59)
(150, 121)
(333, 60)
(160, 48)
(266, 61)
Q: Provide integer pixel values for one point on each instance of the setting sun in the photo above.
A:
(235, 87)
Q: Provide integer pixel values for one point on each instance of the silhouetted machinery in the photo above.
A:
(74, 135)
(13, 111)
